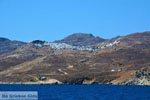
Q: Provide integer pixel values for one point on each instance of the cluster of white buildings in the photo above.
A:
(59, 46)
(109, 44)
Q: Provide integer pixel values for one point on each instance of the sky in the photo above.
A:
(50, 20)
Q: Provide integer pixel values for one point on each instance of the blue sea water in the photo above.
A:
(84, 92)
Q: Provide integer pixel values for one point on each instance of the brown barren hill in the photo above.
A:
(122, 60)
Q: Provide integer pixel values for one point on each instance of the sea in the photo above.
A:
(83, 92)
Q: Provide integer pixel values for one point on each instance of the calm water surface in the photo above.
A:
(84, 92)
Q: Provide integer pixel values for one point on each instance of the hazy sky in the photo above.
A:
(50, 20)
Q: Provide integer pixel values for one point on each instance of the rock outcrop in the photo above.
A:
(142, 78)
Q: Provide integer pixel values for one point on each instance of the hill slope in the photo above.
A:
(7, 45)
(123, 62)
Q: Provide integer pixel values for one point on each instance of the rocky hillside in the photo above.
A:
(81, 39)
(121, 60)
(7, 45)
